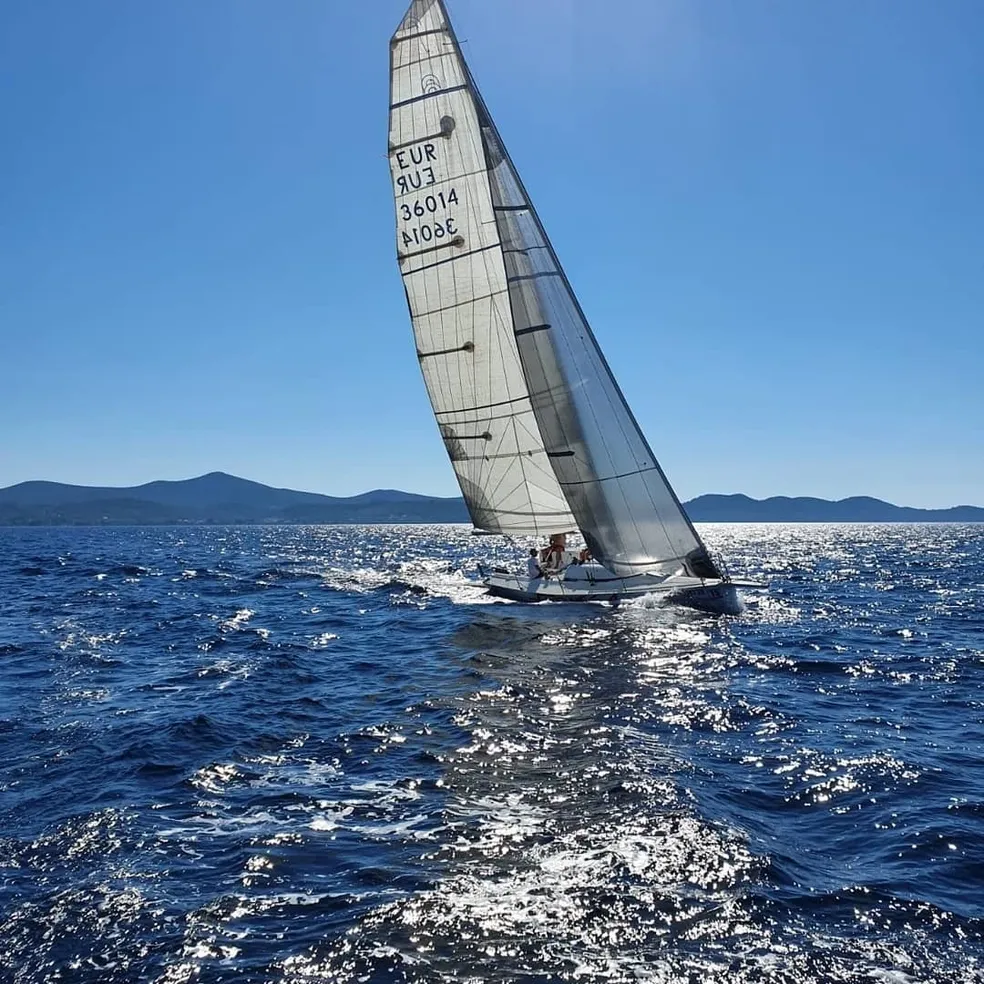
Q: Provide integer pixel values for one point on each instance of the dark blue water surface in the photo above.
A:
(319, 754)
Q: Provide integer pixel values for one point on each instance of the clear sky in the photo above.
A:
(773, 214)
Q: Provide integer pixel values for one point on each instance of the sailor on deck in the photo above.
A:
(552, 557)
(533, 566)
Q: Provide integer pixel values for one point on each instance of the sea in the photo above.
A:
(323, 754)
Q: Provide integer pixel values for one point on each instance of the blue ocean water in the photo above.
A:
(319, 754)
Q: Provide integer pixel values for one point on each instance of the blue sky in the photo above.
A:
(773, 214)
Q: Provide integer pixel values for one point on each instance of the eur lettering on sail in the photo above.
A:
(416, 165)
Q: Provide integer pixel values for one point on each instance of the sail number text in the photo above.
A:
(426, 218)
(415, 161)
(429, 204)
(426, 232)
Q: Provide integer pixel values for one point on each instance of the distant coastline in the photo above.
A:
(221, 499)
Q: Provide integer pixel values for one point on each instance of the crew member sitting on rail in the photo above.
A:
(533, 566)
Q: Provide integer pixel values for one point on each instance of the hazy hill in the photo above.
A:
(215, 498)
(221, 498)
(857, 509)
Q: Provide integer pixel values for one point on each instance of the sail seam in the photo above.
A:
(533, 276)
(520, 512)
(427, 95)
(492, 416)
(610, 478)
(484, 406)
(457, 304)
(457, 177)
(521, 455)
(441, 134)
(420, 34)
(450, 259)
(528, 249)
(428, 57)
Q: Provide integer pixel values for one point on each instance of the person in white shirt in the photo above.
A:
(533, 566)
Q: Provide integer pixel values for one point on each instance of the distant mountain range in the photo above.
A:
(803, 509)
(214, 498)
(224, 499)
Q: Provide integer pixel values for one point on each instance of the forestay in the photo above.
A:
(455, 277)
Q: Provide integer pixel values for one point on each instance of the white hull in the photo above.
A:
(594, 583)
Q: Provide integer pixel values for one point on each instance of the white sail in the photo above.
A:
(455, 277)
(539, 432)
(629, 514)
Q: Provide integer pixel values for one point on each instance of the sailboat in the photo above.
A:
(539, 434)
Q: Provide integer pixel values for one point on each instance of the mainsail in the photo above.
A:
(537, 428)
(455, 278)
